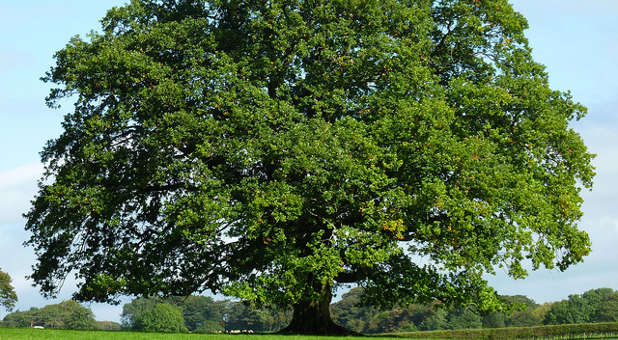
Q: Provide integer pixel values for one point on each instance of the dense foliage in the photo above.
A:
(201, 314)
(162, 318)
(597, 305)
(8, 297)
(239, 316)
(272, 150)
(65, 315)
(142, 314)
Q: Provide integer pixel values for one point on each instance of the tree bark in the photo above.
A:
(313, 317)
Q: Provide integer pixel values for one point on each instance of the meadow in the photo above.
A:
(53, 334)
(49, 334)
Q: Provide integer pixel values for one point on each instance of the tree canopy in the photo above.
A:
(8, 297)
(273, 150)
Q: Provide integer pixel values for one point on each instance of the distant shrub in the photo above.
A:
(108, 326)
(209, 326)
(162, 317)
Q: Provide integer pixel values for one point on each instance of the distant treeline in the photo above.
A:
(197, 314)
(597, 305)
(201, 314)
(65, 315)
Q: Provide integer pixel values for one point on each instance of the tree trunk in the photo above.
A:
(313, 317)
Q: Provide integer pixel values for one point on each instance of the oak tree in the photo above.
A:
(8, 297)
(274, 150)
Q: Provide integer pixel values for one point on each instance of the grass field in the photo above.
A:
(35, 334)
(32, 334)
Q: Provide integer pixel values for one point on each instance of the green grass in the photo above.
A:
(35, 334)
(600, 330)
(32, 334)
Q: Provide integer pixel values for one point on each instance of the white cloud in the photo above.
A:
(16, 177)
(17, 188)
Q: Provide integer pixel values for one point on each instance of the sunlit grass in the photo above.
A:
(32, 334)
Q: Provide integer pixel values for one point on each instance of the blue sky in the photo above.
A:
(577, 41)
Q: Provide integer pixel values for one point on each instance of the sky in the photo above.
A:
(576, 40)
